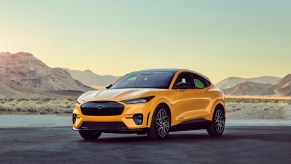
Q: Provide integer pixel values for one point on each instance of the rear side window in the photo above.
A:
(200, 82)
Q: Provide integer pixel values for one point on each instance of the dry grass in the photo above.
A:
(258, 97)
(36, 106)
(237, 107)
(258, 108)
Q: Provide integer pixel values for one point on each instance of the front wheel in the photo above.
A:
(160, 124)
(217, 125)
(90, 135)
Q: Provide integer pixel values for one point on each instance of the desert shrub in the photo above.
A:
(19, 100)
(46, 99)
(30, 110)
(10, 99)
(68, 111)
(258, 109)
(2, 109)
(235, 107)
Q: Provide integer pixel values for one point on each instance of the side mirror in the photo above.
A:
(108, 86)
(181, 85)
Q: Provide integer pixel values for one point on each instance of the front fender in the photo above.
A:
(153, 107)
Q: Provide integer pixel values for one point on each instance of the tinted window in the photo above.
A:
(184, 77)
(160, 80)
(199, 82)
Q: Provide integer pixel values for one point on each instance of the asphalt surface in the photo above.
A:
(62, 145)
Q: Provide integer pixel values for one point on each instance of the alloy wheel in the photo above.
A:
(162, 122)
(219, 121)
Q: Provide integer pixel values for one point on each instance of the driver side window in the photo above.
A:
(185, 78)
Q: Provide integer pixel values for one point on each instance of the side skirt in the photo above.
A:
(191, 125)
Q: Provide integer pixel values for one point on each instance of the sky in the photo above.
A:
(219, 39)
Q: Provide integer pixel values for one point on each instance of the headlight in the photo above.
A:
(138, 100)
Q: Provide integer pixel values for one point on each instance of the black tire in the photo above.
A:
(161, 122)
(217, 125)
(90, 135)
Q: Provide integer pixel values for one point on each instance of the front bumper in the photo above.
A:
(110, 127)
(123, 122)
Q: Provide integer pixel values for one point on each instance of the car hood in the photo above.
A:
(117, 94)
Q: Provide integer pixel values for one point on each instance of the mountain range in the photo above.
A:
(233, 81)
(264, 86)
(23, 75)
(92, 79)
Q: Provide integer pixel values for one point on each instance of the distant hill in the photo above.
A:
(90, 78)
(250, 88)
(234, 81)
(23, 75)
(282, 87)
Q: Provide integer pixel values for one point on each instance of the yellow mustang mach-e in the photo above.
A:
(154, 102)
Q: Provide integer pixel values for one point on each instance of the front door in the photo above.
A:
(191, 103)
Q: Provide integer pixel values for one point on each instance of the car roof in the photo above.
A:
(172, 70)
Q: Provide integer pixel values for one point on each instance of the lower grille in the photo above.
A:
(104, 126)
(102, 108)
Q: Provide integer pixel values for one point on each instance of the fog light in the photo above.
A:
(74, 117)
(137, 118)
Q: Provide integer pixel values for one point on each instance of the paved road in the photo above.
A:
(62, 145)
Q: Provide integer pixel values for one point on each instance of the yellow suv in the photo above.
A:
(154, 102)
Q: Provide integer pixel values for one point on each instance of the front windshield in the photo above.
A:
(160, 80)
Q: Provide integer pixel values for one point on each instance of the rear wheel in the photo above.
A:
(160, 124)
(90, 135)
(217, 125)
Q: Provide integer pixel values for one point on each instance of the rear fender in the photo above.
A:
(218, 101)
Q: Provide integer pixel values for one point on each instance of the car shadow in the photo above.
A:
(180, 138)
(192, 137)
